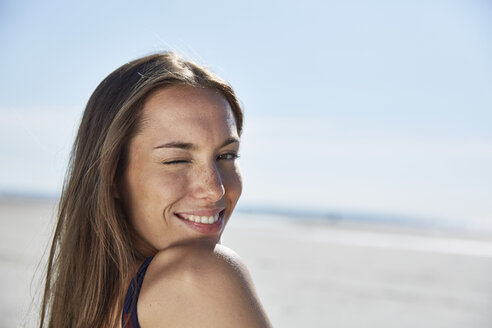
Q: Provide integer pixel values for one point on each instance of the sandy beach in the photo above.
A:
(308, 274)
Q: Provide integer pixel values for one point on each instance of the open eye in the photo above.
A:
(228, 156)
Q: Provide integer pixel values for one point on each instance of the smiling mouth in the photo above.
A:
(207, 220)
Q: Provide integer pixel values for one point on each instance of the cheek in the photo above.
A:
(168, 188)
(233, 183)
(149, 195)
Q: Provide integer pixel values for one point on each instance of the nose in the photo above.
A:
(209, 184)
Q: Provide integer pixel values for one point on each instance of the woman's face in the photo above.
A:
(182, 178)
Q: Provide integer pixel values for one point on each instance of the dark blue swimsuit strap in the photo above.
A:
(129, 318)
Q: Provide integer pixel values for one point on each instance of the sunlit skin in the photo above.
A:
(182, 162)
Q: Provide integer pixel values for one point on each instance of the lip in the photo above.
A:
(203, 227)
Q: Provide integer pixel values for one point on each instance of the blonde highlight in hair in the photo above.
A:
(94, 247)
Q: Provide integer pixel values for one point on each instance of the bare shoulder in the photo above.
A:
(197, 286)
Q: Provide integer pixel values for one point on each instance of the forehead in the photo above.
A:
(182, 110)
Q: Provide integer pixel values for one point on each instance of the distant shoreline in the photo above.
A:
(14, 195)
(345, 218)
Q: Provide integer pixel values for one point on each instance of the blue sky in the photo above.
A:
(382, 106)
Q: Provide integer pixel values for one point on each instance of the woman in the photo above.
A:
(152, 182)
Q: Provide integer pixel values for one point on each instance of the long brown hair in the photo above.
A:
(94, 247)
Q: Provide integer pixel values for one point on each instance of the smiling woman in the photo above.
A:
(152, 182)
(182, 179)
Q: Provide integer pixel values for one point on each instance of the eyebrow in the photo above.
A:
(190, 146)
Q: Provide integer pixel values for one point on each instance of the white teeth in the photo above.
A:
(203, 219)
